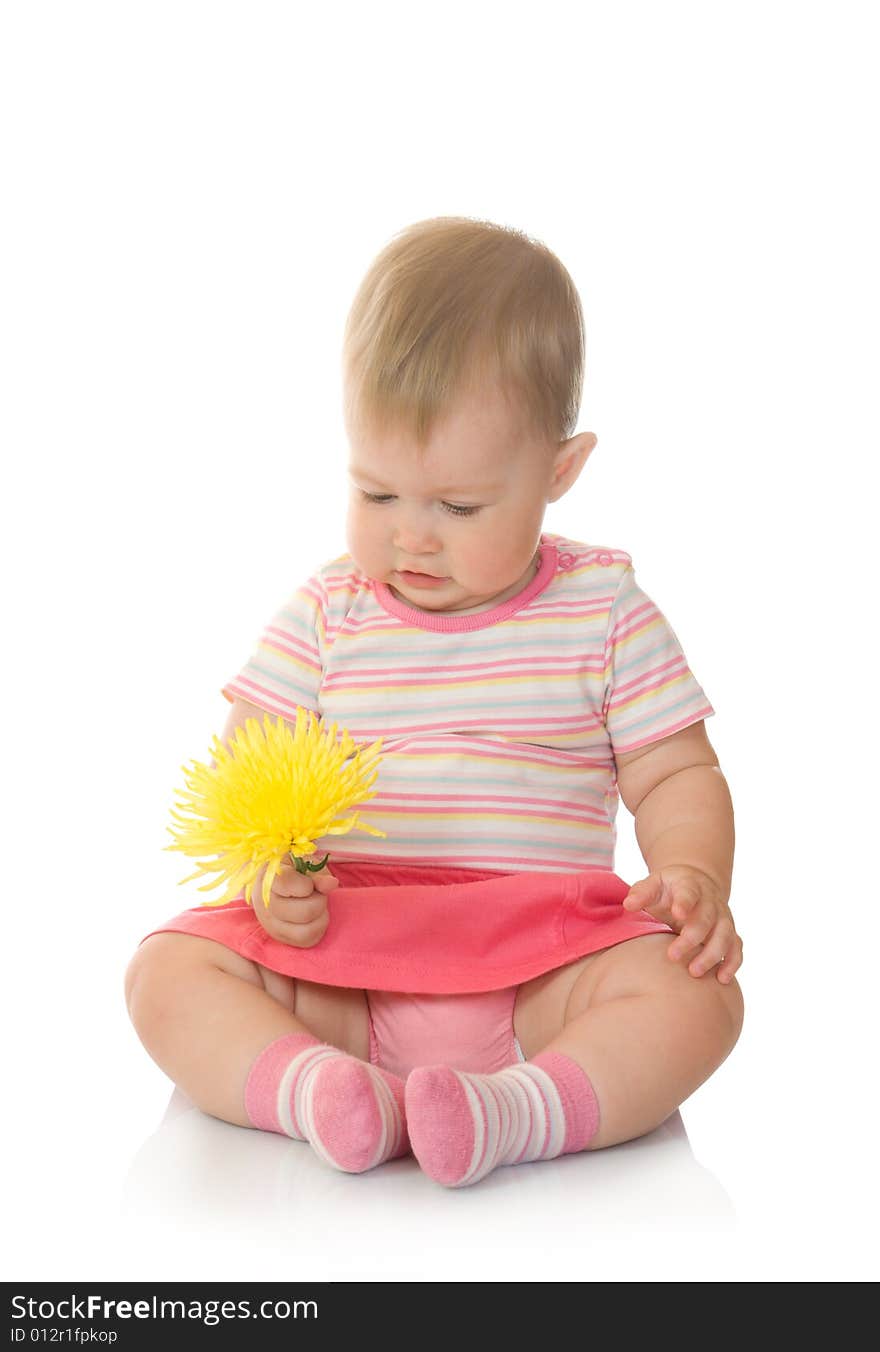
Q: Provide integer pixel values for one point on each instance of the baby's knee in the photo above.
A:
(709, 1006)
(156, 963)
(165, 969)
(718, 1006)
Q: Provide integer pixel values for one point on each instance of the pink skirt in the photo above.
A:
(437, 930)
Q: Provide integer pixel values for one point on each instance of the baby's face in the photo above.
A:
(468, 513)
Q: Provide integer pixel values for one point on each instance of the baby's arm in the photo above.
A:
(684, 825)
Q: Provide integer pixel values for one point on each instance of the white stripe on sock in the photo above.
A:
(482, 1125)
(545, 1096)
(525, 1106)
(289, 1105)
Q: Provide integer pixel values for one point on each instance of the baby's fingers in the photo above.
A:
(720, 944)
(300, 921)
(733, 957)
(298, 935)
(683, 902)
(693, 934)
(298, 910)
(289, 882)
(645, 894)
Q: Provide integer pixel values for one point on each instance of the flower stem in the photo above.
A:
(303, 866)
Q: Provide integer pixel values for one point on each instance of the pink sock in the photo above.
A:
(351, 1113)
(462, 1125)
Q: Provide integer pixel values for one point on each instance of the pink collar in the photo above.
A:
(482, 619)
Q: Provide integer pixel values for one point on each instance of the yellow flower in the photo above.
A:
(273, 792)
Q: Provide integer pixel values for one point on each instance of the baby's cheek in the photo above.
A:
(497, 561)
(362, 543)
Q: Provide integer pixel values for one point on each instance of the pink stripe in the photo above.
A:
(598, 603)
(589, 608)
(526, 811)
(574, 726)
(540, 612)
(347, 575)
(315, 592)
(354, 684)
(274, 703)
(478, 799)
(705, 712)
(371, 624)
(664, 683)
(626, 628)
(635, 700)
(354, 627)
(563, 760)
(349, 582)
(293, 647)
(502, 863)
(533, 663)
(638, 681)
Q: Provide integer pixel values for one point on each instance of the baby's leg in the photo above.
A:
(644, 1030)
(259, 1049)
(614, 1043)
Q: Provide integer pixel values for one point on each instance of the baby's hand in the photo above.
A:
(692, 904)
(297, 913)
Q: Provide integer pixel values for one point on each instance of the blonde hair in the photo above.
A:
(452, 302)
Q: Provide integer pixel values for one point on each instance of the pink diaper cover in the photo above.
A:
(433, 930)
(469, 1032)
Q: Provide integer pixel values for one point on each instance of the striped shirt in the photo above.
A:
(499, 728)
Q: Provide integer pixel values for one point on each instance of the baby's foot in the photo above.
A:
(350, 1112)
(463, 1125)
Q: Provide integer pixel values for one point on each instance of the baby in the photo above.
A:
(476, 986)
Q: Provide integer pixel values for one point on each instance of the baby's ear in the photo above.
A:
(568, 462)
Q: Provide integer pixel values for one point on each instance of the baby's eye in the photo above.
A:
(453, 508)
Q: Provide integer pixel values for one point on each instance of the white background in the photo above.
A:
(192, 193)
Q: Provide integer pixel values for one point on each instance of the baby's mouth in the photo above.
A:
(421, 579)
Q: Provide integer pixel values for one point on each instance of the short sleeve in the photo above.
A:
(650, 691)
(284, 671)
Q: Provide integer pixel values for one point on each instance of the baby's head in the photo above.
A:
(462, 376)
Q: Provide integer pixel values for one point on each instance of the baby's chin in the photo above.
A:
(420, 598)
(464, 606)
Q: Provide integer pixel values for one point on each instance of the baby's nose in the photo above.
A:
(415, 534)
